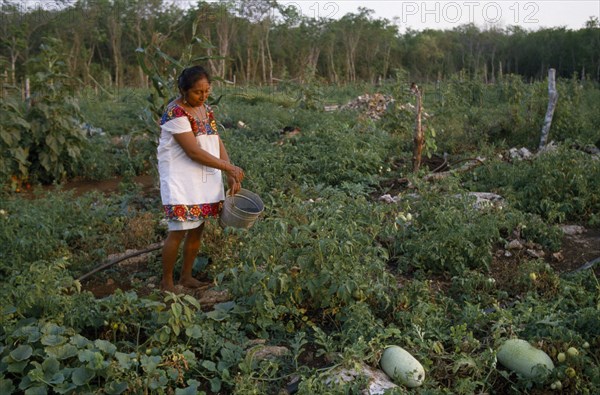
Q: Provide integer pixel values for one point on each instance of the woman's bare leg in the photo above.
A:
(169, 257)
(191, 245)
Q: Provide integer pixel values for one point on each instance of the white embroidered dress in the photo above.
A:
(189, 191)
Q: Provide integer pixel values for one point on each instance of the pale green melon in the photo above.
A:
(521, 357)
(402, 367)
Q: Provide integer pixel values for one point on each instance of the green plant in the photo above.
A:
(56, 139)
(559, 186)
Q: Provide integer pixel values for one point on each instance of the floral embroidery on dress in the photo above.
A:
(175, 111)
(192, 212)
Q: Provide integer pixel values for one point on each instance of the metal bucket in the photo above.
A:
(241, 209)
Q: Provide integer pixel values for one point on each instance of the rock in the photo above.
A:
(550, 147)
(256, 342)
(514, 245)
(262, 352)
(507, 254)
(110, 281)
(373, 106)
(572, 230)
(378, 382)
(519, 154)
(389, 199)
(211, 297)
(525, 153)
(486, 199)
(535, 253)
(558, 257)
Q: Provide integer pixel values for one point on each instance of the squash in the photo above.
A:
(521, 357)
(402, 367)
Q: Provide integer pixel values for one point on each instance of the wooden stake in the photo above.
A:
(419, 137)
(552, 99)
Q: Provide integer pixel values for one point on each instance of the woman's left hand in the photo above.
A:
(234, 186)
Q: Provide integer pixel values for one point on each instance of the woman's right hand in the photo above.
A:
(235, 172)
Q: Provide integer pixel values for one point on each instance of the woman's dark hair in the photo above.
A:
(190, 76)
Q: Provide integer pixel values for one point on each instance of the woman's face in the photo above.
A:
(198, 93)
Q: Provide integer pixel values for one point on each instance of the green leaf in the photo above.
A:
(51, 366)
(63, 351)
(116, 387)
(53, 340)
(191, 300)
(172, 373)
(82, 375)
(57, 378)
(217, 315)
(192, 389)
(215, 384)
(37, 390)
(33, 333)
(6, 387)
(194, 331)
(177, 310)
(79, 341)
(17, 367)
(168, 58)
(85, 355)
(9, 310)
(150, 363)
(125, 360)
(105, 346)
(21, 353)
(64, 388)
(52, 329)
(209, 365)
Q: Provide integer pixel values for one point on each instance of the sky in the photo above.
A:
(426, 14)
(419, 15)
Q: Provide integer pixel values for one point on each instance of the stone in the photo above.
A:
(378, 381)
(514, 245)
(572, 230)
(536, 253)
(262, 352)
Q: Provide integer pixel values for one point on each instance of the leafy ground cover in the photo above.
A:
(330, 275)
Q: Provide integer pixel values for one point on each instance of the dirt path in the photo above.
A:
(81, 187)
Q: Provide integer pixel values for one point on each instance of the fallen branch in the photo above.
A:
(472, 164)
(440, 167)
(587, 265)
(112, 262)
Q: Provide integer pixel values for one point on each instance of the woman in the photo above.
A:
(191, 157)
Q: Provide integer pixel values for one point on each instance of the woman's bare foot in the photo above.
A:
(190, 282)
(166, 286)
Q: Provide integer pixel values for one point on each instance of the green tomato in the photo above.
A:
(561, 357)
(572, 352)
(532, 276)
(558, 385)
